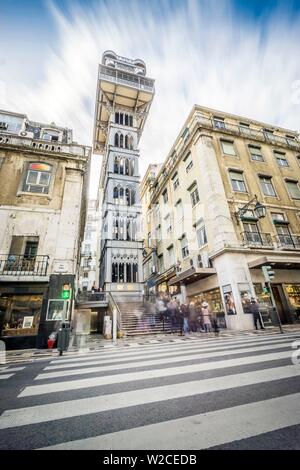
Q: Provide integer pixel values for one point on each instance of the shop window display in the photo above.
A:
(214, 300)
(20, 314)
(293, 294)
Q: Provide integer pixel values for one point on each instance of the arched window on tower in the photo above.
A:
(116, 195)
(116, 229)
(135, 272)
(131, 142)
(128, 229)
(121, 195)
(131, 167)
(121, 118)
(116, 165)
(127, 196)
(128, 272)
(121, 272)
(127, 164)
(121, 167)
(132, 197)
(117, 139)
(117, 118)
(121, 141)
(130, 121)
(126, 141)
(114, 272)
(126, 119)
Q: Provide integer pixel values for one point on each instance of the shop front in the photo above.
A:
(20, 314)
(214, 299)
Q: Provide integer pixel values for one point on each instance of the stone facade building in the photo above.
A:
(43, 188)
(89, 271)
(124, 96)
(204, 238)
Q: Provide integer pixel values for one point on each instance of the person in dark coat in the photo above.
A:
(254, 309)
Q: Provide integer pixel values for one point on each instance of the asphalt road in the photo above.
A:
(198, 393)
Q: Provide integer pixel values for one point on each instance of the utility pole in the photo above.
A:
(269, 275)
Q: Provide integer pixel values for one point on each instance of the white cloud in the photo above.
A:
(197, 51)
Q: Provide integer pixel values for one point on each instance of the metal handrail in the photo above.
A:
(113, 304)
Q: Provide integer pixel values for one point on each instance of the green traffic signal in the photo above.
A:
(66, 292)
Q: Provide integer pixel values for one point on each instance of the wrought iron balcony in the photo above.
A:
(22, 265)
(257, 239)
(288, 242)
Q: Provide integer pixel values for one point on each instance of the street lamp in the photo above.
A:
(259, 209)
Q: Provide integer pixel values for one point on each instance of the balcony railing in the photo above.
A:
(124, 78)
(22, 265)
(73, 149)
(89, 296)
(257, 239)
(288, 242)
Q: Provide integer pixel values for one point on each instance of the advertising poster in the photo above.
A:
(229, 300)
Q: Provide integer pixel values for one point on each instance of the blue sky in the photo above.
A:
(237, 56)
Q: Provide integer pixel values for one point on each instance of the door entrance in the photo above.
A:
(281, 305)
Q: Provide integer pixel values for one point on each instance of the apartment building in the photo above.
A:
(43, 187)
(88, 272)
(226, 202)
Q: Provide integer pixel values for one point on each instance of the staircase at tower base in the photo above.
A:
(140, 318)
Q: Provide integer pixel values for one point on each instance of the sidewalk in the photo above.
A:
(97, 342)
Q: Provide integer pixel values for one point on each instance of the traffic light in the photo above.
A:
(66, 292)
(266, 288)
(269, 274)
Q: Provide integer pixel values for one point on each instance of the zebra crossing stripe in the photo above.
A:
(85, 406)
(11, 369)
(148, 374)
(172, 347)
(5, 376)
(159, 361)
(199, 431)
(193, 348)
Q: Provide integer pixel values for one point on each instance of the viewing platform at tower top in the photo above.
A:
(122, 86)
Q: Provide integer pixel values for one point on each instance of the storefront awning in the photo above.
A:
(192, 275)
(278, 262)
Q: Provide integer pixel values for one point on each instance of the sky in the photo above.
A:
(233, 55)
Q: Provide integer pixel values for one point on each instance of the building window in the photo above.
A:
(290, 139)
(168, 224)
(51, 136)
(228, 147)
(281, 159)
(245, 128)
(184, 247)
(219, 122)
(237, 181)
(171, 255)
(37, 179)
(165, 196)
(293, 189)
(194, 195)
(179, 210)
(269, 134)
(158, 233)
(256, 153)
(278, 216)
(267, 186)
(188, 162)
(160, 260)
(251, 233)
(175, 180)
(284, 235)
(201, 236)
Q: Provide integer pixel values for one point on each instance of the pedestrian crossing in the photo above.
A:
(192, 395)
(7, 372)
